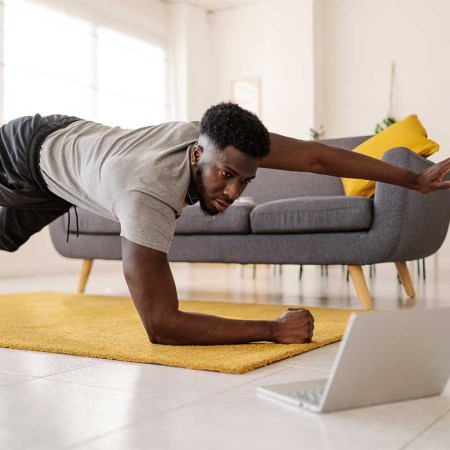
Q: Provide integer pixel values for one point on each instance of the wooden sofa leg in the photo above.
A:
(405, 278)
(85, 271)
(360, 284)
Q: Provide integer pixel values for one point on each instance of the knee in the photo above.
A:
(9, 247)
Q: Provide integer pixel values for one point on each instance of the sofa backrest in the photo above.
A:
(271, 184)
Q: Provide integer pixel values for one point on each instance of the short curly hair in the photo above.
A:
(229, 124)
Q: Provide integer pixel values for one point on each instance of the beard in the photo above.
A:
(200, 193)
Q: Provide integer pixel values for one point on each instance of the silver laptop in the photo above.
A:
(383, 357)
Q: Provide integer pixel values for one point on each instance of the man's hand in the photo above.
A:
(431, 179)
(294, 326)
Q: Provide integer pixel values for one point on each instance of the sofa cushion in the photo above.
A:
(235, 220)
(89, 223)
(313, 214)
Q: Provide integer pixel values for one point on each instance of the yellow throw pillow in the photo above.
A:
(408, 133)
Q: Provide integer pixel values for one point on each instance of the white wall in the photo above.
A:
(273, 40)
(190, 61)
(361, 38)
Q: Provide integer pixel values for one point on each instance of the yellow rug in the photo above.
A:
(109, 327)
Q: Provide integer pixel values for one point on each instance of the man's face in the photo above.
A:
(221, 176)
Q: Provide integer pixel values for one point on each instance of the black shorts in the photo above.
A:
(26, 203)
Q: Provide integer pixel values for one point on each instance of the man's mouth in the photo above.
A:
(221, 205)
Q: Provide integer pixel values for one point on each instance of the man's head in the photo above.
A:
(231, 143)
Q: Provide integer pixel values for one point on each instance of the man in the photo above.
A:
(142, 178)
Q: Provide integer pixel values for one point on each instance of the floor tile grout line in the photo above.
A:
(19, 382)
(75, 446)
(16, 382)
(90, 385)
(49, 375)
(103, 435)
(143, 392)
(283, 366)
(17, 373)
(421, 433)
(74, 368)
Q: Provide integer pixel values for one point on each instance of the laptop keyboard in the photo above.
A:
(307, 396)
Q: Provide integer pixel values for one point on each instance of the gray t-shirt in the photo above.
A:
(136, 177)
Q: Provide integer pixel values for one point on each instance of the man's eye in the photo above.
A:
(225, 174)
(246, 181)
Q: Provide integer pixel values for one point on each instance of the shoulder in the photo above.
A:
(185, 130)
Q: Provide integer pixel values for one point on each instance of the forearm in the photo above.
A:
(187, 328)
(153, 291)
(308, 156)
(344, 163)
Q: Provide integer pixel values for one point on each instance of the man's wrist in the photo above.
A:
(413, 180)
(274, 327)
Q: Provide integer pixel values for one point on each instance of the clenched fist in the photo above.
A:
(294, 326)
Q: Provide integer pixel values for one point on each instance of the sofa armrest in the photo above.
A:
(408, 225)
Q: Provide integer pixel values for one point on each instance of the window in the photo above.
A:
(55, 63)
(131, 80)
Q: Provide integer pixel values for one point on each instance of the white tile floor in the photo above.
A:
(50, 401)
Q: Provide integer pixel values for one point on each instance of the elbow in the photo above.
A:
(157, 335)
(162, 332)
(161, 339)
(153, 337)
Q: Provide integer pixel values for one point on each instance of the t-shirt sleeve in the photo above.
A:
(145, 220)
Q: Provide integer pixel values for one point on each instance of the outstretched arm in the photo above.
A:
(152, 288)
(310, 156)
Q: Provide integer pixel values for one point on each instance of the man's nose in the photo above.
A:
(232, 190)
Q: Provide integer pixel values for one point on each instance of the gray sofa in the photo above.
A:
(293, 218)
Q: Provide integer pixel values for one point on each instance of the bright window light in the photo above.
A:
(47, 63)
(57, 64)
(131, 80)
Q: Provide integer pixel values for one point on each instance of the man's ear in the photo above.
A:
(196, 154)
